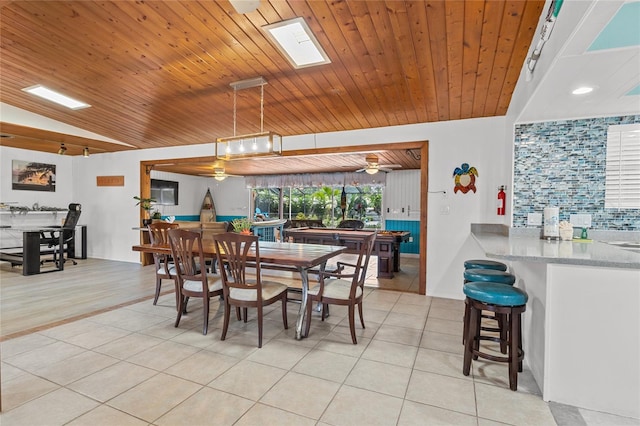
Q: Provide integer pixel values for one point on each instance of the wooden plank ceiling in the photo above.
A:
(157, 73)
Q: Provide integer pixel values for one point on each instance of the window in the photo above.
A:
(622, 182)
(324, 203)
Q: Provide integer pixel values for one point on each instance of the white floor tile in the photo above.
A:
(442, 391)
(261, 414)
(504, 405)
(207, 407)
(380, 377)
(155, 397)
(416, 414)
(301, 394)
(248, 379)
(353, 406)
(131, 366)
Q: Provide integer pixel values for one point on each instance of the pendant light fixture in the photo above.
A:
(253, 144)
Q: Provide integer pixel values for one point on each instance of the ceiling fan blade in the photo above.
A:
(361, 170)
(218, 174)
(391, 166)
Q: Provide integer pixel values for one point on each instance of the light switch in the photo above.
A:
(580, 220)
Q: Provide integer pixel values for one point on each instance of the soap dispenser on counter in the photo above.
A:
(551, 229)
(584, 235)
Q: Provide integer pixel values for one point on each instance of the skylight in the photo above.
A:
(298, 44)
(622, 31)
(56, 97)
(634, 91)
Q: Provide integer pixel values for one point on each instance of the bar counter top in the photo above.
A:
(501, 242)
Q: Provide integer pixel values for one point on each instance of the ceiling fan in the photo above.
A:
(219, 174)
(373, 165)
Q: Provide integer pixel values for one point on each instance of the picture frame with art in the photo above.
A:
(32, 176)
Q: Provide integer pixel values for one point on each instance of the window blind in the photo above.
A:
(622, 179)
(315, 180)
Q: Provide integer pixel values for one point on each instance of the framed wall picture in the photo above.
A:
(30, 176)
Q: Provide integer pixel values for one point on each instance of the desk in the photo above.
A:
(387, 245)
(28, 254)
(29, 257)
(299, 257)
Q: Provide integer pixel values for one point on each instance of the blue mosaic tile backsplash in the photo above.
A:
(562, 163)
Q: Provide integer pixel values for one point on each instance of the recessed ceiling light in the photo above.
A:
(298, 44)
(582, 90)
(53, 96)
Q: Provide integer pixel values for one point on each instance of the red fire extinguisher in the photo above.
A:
(502, 201)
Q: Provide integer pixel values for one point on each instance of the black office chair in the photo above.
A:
(68, 230)
(351, 224)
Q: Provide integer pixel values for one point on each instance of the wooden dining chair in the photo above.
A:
(165, 269)
(209, 229)
(240, 289)
(193, 281)
(343, 287)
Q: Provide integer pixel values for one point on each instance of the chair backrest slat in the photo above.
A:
(159, 232)
(360, 273)
(159, 235)
(186, 246)
(232, 250)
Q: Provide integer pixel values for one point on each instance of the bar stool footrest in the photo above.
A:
(479, 354)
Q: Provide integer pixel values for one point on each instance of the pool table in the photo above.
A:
(387, 246)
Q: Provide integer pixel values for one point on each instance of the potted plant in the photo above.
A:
(145, 204)
(241, 225)
(156, 215)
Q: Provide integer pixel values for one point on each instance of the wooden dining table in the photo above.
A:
(273, 255)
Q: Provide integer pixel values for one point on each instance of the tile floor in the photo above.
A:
(131, 366)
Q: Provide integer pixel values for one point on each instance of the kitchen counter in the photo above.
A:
(581, 329)
(520, 246)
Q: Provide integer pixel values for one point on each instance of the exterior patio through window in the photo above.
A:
(324, 203)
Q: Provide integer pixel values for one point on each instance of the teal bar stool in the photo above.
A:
(508, 303)
(484, 264)
(486, 275)
(489, 275)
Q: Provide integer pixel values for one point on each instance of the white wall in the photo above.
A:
(110, 212)
(61, 197)
(191, 192)
(231, 197)
(401, 196)
(480, 143)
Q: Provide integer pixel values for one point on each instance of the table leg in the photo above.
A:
(30, 252)
(303, 302)
(396, 257)
(61, 250)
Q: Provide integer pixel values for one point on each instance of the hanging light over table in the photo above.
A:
(253, 144)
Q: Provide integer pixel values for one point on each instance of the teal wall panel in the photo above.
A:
(412, 226)
(192, 218)
(220, 218)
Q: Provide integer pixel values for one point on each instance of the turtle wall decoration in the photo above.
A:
(465, 178)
